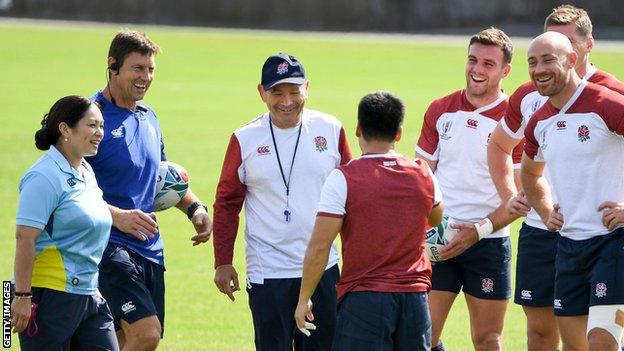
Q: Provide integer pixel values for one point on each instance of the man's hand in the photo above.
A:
(135, 222)
(518, 205)
(226, 280)
(612, 214)
(20, 314)
(303, 311)
(555, 220)
(466, 237)
(203, 226)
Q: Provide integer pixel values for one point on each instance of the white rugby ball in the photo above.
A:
(437, 237)
(171, 185)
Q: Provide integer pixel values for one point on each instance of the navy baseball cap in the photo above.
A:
(282, 68)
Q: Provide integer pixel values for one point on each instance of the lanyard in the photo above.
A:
(279, 162)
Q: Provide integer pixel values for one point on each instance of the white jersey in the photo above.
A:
(275, 244)
(583, 147)
(522, 105)
(455, 134)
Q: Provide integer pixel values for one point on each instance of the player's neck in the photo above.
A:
(375, 146)
(560, 99)
(112, 94)
(583, 68)
(479, 101)
(286, 123)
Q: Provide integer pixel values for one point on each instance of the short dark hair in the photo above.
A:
(380, 116)
(495, 36)
(127, 42)
(566, 14)
(69, 109)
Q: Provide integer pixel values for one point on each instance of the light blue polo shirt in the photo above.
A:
(74, 219)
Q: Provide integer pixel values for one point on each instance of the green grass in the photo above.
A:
(205, 88)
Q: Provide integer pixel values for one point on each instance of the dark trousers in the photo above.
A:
(383, 321)
(273, 307)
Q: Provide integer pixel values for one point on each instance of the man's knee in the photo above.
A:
(604, 327)
(143, 334)
(487, 341)
(542, 340)
(600, 339)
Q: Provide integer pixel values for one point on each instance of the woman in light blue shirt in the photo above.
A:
(63, 225)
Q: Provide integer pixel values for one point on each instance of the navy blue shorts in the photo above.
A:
(535, 267)
(483, 271)
(70, 322)
(133, 285)
(589, 273)
(380, 321)
(273, 307)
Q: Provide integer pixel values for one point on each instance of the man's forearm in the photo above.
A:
(502, 172)
(538, 194)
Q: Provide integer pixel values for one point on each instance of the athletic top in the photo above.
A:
(251, 175)
(385, 200)
(75, 222)
(456, 135)
(583, 147)
(126, 167)
(524, 102)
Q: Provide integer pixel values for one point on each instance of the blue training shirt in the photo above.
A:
(126, 168)
(75, 222)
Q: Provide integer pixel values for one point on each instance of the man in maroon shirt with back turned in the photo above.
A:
(381, 203)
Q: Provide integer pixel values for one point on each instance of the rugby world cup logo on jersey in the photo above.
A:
(601, 290)
(282, 68)
(446, 128)
(583, 133)
(472, 123)
(321, 143)
(487, 285)
(263, 150)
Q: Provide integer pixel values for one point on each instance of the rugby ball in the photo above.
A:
(171, 185)
(437, 237)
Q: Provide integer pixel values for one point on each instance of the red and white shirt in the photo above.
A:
(385, 200)
(583, 147)
(251, 174)
(456, 135)
(522, 105)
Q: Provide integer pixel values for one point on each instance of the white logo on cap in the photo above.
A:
(282, 68)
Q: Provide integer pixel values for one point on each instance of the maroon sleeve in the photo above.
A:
(531, 145)
(607, 80)
(513, 115)
(228, 203)
(429, 138)
(516, 154)
(613, 112)
(343, 147)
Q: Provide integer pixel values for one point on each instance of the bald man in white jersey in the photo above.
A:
(535, 265)
(578, 134)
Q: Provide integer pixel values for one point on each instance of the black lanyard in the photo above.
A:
(279, 162)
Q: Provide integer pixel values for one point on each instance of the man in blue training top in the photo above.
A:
(126, 167)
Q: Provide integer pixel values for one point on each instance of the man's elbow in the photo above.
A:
(435, 217)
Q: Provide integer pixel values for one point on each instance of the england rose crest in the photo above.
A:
(601, 290)
(282, 68)
(320, 143)
(487, 285)
(583, 133)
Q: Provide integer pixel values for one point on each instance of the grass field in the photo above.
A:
(205, 88)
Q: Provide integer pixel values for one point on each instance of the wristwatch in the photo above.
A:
(190, 211)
